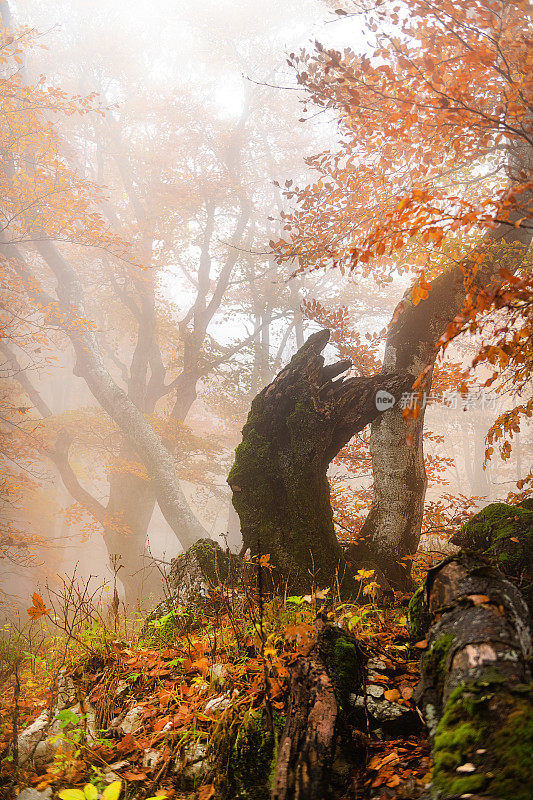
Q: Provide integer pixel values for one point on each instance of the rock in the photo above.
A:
(374, 690)
(504, 533)
(133, 720)
(384, 711)
(218, 704)
(204, 565)
(193, 766)
(33, 794)
(37, 743)
(122, 688)
(151, 758)
(376, 665)
(67, 693)
(218, 673)
(111, 774)
(193, 574)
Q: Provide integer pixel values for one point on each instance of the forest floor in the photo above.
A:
(149, 710)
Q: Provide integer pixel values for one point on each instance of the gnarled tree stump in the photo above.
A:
(295, 427)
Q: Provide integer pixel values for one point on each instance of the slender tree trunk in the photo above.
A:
(137, 431)
(392, 527)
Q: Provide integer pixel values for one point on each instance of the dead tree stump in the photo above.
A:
(295, 427)
(320, 720)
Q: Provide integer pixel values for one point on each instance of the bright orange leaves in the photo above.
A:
(38, 609)
(427, 118)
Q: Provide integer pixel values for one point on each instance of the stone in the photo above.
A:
(193, 574)
(218, 673)
(67, 694)
(374, 690)
(193, 765)
(151, 758)
(33, 794)
(218, 704)
(376, 665)
(111, 774)
(122, 688)
(133, 720)
(384, 711)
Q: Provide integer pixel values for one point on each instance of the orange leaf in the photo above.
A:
(478, 599)
(131, 775)
(392, 695)
(422, 644)
(201, 665)
(206, 792)
(38, 609)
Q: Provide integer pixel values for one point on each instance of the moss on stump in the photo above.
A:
(504, 533)
(484, 742)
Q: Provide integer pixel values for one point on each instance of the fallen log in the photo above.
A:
(474, 691)
(320, 725)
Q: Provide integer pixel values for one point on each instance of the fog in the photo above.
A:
(189, 136)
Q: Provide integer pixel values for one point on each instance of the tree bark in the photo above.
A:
(318, 718)
(473, 691)
(392, 527)
(295, 428)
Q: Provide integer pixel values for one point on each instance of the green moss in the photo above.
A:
(505, 534)
(515, 743)
(490, 726)
(253, 756)
(418, 616)
(342, 657)
(282, 496)
(209, 555)
(435, 661)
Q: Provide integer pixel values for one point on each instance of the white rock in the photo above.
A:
(33, 794)
(110, 775)
(376, 665)
(67, 694)
(374, 690)
(151, 758)
(218, 703)
(218, 672)
(383, 710)
(195, 764)
(132, 721)
(122, 688)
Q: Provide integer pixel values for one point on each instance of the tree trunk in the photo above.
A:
(296, 426)
(135, 427)
(318, 720)
(392, 527)
(473, 691)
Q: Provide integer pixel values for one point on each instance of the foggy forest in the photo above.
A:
(266, 358)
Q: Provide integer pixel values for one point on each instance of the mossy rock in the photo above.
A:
(484, 743)
(504, 533)
(253, 756)
(344, 662)
(243, 755)
(193, 574)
